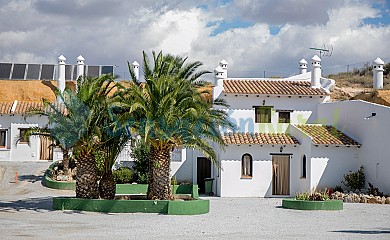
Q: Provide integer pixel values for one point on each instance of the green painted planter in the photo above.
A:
(192, 207)
(50, 183)
(191, 189)
(334, 205)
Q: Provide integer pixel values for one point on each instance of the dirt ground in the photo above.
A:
(26, 213)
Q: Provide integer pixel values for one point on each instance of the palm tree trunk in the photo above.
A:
(159, 180)
(86, 176)
(65, 161)
(107, 186)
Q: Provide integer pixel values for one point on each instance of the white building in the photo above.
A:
(290, 138)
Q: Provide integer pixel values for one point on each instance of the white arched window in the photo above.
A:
(246, 166)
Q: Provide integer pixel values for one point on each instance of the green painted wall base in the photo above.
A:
(312, 205)
(192, 207)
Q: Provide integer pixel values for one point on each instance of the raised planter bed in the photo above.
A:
(190, 189)
(312, 205)
(191, 207)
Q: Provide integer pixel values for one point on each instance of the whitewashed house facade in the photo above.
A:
(290, 138)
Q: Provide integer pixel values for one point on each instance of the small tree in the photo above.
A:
(140, 152)
(355, 180)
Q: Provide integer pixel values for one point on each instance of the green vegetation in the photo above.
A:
(83, 123)
(168, 112)
(313, 196)
(361, 77)
(355, 180)
(140, 153)
(123, 175)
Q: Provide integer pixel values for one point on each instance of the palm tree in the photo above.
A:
(169, 112)
(83, 127)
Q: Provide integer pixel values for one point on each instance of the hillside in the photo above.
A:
(358, 85)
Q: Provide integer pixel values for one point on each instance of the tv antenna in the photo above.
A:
(325, 51)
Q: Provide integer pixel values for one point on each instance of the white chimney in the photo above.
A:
(302, 66)
(224, 65)
(135, 66)
(61, 74)
(219, 76)
(377, 68)
(315, 72)
(80, 66)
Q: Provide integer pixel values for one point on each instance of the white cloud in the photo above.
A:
(116, 32)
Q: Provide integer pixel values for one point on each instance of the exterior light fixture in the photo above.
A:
(263, 102)
(372, 115)
(281, 149)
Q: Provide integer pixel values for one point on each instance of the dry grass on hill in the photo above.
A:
(355, 83)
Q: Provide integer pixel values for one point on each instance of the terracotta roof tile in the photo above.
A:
(327, 135)
(259, 138)
(5, 107)
(274, 87)
(22, 107)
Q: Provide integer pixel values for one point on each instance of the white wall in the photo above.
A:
(373, 134)
(305, 148)
(242, 113)
(182, 166)
(23, 151)
(20, 151)
(329, 164)
(232, 185)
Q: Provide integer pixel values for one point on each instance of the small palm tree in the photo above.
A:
(169, 112)
(84, 127)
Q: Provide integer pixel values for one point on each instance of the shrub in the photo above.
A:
(123, 175)
(338, 188)
(140, 153)
(374, 190)
(355, 180)
(99, 160)
(302, 196)
(313, 196)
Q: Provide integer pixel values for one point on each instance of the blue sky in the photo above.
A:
(253, 36)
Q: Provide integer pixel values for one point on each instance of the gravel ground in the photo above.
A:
(25, 213)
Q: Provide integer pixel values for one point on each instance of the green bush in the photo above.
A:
(123, 175)
(140, 153)
(338, 189)
(313, 196)
(355, 180)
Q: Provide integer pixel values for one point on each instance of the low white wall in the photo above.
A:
(373, 134)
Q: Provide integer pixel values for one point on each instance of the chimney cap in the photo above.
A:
(303, 61)
(218, 69)
(135, 63)
(80, 58)
(379, 61)
(62, 58)
(316, 58)
(223, 62)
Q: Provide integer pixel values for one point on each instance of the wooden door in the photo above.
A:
(280, 175)
(46, 148)
(203, 171)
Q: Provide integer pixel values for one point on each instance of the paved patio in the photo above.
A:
(25, 213)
